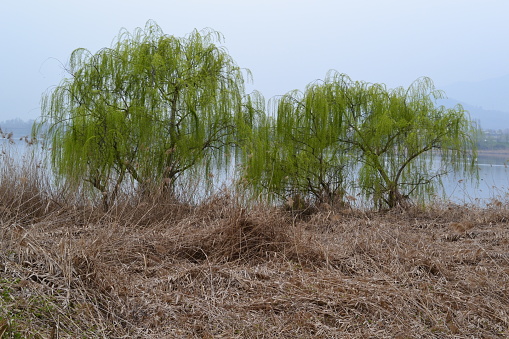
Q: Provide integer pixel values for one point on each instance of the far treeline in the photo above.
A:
(154, 111)
(494, 140)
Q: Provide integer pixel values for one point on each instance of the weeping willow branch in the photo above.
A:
(340, 134)
(122, 108)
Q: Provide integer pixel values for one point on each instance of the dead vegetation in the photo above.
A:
(164, 269)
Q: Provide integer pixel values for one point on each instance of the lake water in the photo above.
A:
(493, 182)
(493, 178)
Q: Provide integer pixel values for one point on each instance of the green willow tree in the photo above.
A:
(388, 145)
(295, 154)
(149, 109)
(403, 141)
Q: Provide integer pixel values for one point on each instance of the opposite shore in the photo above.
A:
(494, 152)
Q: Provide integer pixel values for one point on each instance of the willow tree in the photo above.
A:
(296, 154)
(339, 135)
(148, 109)
(404, 142)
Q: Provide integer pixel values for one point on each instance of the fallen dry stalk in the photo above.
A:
(257, 273)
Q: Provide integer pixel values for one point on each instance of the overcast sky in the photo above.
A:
(286, 44)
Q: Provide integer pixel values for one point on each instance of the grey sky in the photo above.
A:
(286, 44)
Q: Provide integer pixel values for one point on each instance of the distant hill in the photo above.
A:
(490, 94)
(487, 100)
(489, 119)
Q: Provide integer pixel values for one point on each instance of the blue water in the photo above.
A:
(493, 181)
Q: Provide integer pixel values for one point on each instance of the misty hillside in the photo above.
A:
(490, 94)
(487, 100)
(489, 119)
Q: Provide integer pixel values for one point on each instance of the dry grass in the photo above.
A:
(164, 269)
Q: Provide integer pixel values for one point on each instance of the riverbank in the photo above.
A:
(500, 153)
(163, 269)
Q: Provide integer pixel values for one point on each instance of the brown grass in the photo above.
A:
(164, 269)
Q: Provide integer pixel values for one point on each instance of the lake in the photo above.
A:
(493, 182)
(493, 177)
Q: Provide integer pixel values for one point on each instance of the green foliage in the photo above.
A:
(153, 109)
(404, 141)
(296, 153)
(149, 109)
(342, 135)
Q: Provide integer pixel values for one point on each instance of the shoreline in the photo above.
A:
(499, 153)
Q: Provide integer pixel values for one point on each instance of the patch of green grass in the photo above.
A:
(9, 328)
(18, 314)
(8, 317)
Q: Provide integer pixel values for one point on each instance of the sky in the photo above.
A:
(286, 44)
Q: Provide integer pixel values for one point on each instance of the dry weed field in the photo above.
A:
(163, 269)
